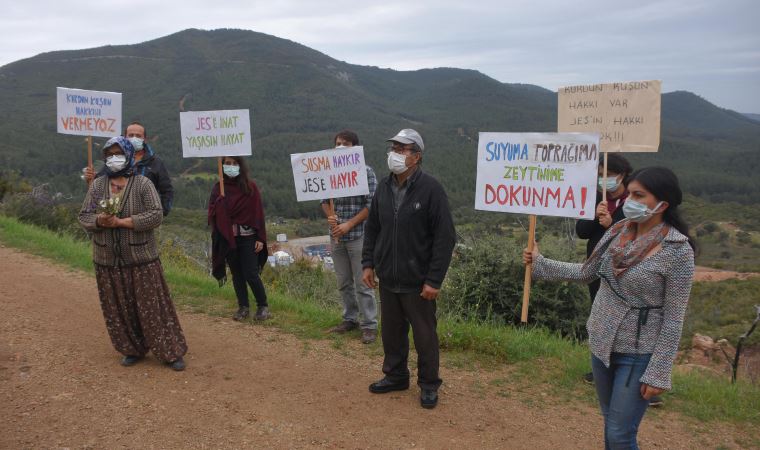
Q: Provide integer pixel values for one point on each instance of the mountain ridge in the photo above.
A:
(299, 97)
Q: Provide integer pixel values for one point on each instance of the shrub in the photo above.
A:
(710, 227)
(485, 282)
(304, 281)
(39, 207)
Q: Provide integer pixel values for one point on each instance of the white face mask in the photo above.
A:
(137, 143)
(116, 162)
(231, 170)
(397, 163)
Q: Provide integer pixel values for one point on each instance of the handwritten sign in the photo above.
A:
(88, 113)
(215, 133)
(550, 174)
(626, 115)
(331, 173)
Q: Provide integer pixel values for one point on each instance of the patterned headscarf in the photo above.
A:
(129, 152)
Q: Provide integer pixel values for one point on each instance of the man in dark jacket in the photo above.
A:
(148, 164)
(408, 241)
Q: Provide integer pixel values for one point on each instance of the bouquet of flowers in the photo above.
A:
(109, 206)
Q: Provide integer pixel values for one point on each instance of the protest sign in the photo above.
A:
(626, 115)
(548, 174)
(88, 113)
(215, 133)
(334, 173)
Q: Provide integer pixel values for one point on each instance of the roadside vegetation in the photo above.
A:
(304, 302)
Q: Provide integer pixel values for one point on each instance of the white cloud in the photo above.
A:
(703, 43)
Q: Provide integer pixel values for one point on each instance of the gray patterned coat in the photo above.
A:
(122, 246)
(662, 281)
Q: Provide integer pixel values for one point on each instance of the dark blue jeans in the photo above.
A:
(623, 407)
(244, 265)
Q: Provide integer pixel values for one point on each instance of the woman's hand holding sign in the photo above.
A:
(529, 257)
(603, 214)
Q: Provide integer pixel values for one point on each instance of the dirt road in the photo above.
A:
(710, 274)
(250, 386)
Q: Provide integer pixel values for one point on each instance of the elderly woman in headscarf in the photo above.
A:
(120, 211)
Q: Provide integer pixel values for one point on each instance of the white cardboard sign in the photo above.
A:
(333, 173)
(548, 174)
(215, 133)
(88, 113)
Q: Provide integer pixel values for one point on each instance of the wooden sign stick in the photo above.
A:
(221, 177)
(604, 177)
(528, 269)
(332, 213)
(89, 156)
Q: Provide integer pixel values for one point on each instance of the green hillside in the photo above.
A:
(299, 98)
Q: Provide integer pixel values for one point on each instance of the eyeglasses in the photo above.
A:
(400, 148)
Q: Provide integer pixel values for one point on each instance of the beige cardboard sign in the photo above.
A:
(626, 115)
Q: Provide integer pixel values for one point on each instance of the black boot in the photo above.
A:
(242, 313)
(262, 313)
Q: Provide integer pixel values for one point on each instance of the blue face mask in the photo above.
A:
(638, 212)
(230, 170)
(609, 184)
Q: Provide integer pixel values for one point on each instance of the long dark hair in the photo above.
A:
(663, 184)
(242, 180)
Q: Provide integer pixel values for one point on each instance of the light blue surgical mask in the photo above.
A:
(137, 143)
(230, 170)
(638, 212)
(609, 184)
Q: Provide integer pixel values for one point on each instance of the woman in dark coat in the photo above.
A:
(239, 236)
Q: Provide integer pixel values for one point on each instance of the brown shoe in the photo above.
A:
(344, 327)
(369, 336)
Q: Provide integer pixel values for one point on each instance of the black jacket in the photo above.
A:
(153, 168)
(412, 246)
(592, 230)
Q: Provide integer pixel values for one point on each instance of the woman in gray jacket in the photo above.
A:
(646, 265)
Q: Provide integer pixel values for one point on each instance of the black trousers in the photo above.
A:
(244, 265)
(593, 288)
(398, 312)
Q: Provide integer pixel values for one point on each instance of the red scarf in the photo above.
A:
(613, 204)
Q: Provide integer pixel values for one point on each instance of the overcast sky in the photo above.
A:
(709, 47)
